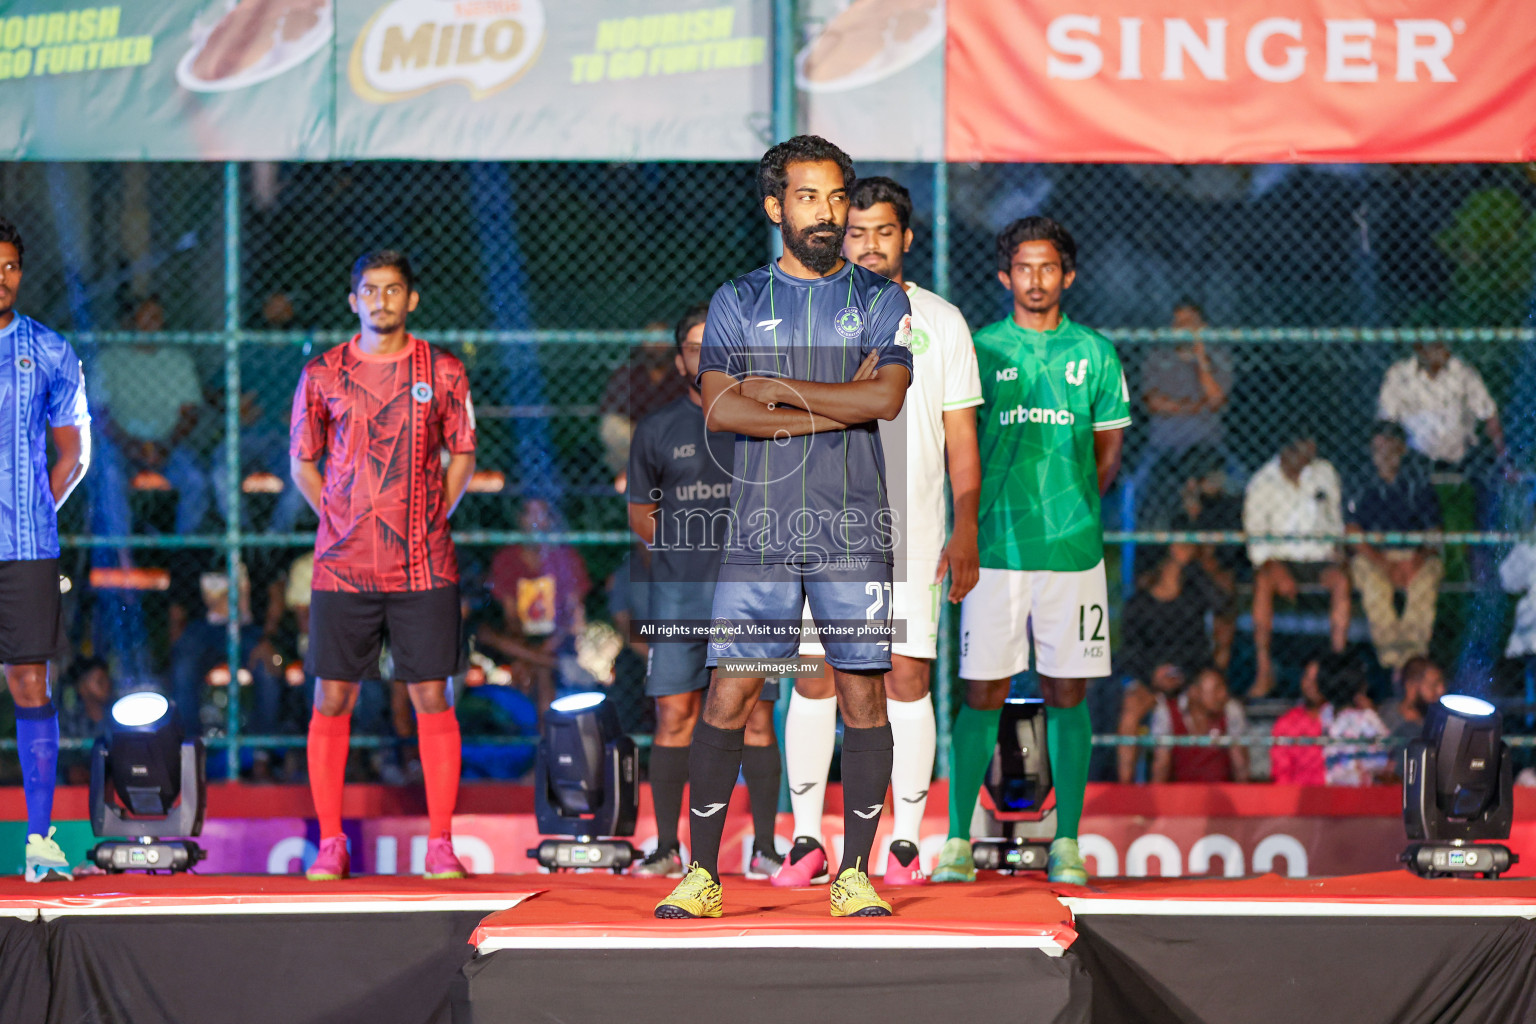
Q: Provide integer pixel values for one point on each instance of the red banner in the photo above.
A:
(1241, 81)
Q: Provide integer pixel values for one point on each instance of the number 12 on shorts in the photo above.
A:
(1086, 612)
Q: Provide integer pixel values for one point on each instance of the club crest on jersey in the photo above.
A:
(1076, 376)
(919, 341)
(25, 364)
(904, 332)
(849, 322)
(422, 392)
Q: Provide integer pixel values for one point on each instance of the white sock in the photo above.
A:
(914, 734)
(810, 733)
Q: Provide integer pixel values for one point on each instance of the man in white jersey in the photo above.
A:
(937, 423)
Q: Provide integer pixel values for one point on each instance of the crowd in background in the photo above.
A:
(537, 625)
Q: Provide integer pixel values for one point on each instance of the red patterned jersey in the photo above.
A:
(381, 424)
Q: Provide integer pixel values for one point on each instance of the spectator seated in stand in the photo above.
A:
(1185, 389)
(1342, 680)
(541, 589)
(1423, 684)
(1294, 494)
(1164, 636)
(490, 705)
(1302, 766)
(203, 647)
(1439, 401)
(645, 383)
(1517, 575)
(84, 699)
(1395, 496)
(1205, 708)
(146, 402)
(1207, 504)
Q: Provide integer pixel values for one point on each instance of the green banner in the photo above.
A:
(362, 79)
(523, 79)
(166, 80)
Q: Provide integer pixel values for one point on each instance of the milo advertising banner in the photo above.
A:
(551, 79)
(361, 79)
(166, 80)
(871, 76)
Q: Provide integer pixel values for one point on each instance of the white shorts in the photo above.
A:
(914, 599)
(1067, 613)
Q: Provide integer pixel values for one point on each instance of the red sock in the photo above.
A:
(328, 738)
(438, 737)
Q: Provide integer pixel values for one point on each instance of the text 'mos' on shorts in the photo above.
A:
(1067, 613)
(347, 633)
(757, 613)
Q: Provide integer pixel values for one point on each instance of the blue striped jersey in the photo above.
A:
(822, 497)
(41, 385)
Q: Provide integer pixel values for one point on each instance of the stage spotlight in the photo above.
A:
(586, 785)
(1458, 789)
(160, 780)
(1018, 780)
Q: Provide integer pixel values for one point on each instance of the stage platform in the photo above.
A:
(590, 944)
(1382, 947)
(211, 949)
(1386, 947)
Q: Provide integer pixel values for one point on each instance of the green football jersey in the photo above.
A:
(1046, 393)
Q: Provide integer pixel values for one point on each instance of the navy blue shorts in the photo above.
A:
(753, 603)
(672, 668)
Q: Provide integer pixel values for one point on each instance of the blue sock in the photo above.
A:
(37, 741)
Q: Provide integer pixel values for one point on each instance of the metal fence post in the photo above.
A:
(232, 455)
(786, 24)
(941, 229)
(944, 672)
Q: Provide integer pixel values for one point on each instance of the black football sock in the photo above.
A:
(866, 777)
(761, 767)
(669, 774)
(714, 761)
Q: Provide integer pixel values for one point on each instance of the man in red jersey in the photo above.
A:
(379, 411)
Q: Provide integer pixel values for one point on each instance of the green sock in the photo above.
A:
(1069, 737)
(970, 752)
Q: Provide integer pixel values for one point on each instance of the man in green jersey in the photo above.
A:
(1050, 447)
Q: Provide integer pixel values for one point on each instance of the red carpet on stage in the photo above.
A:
(594, 907)
(255, 894)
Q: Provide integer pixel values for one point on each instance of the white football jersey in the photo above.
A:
(944, 377)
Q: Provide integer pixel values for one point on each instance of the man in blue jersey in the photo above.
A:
(41, 387)
(801, 359)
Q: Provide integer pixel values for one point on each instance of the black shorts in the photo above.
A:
(347, 633)
(31, 615)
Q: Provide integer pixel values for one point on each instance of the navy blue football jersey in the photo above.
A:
(822, 497)
(686, 471)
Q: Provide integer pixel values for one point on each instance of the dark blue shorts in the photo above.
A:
(672, 667)
(754, 602)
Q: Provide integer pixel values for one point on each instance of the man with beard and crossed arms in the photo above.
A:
(785, 348)
(679, 505)
(1050, 447)
(937, 427)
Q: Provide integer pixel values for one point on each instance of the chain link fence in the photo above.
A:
(195, 293)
